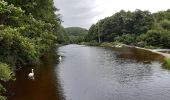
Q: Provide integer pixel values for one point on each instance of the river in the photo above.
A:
(94, 73)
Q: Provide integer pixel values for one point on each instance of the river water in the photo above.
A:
(94, 73)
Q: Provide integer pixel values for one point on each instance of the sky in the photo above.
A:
(84, 13)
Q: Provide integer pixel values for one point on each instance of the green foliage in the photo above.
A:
(92, 33)
(127, 39)
(2, 89)
(91, 43)
(15, 48)
(5, 75)
(162, 15)
(121, 23)
(166, 63)
(146, 29)
(165, 24)
(76, 31)
(40, 9)
(24, 37)
(28, 29)
(3, 98)
(76, 34)
(10, 15)
(158, 38)
(63, 36)
(109, 44)
(5, 72)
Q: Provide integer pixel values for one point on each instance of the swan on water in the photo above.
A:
(60, 58)
(31, 75)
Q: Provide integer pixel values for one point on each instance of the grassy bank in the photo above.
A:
(166, 63)
(103, 44)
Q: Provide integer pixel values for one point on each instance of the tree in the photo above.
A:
(138, 28)
(165, 24)
(28, 29)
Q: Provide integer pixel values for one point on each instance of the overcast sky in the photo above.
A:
(83, 13)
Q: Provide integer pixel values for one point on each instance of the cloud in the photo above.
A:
(77, 12)
(84, 13)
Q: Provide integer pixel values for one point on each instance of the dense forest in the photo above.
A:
(28, 29)
(76, 34)
(140, 28)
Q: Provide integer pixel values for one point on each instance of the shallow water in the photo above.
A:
(96, 73)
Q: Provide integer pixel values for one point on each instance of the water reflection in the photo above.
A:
(94, 73)
(137, 54)
(45, 86)
(97, 73)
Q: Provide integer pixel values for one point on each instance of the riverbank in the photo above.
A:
(119, 45)
(166, 56)
(106, 71)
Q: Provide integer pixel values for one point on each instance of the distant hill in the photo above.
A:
(76, 34)
(76, 31)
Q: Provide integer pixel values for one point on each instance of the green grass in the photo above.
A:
(111, 44)
(150, 47)
(166, 63)
(93, 43)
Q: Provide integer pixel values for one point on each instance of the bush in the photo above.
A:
(5, 75)
(3, 98)
(5, 72)
(126, 38)
(15, 48)
(2, 89)
(156, 38)
(165, 24)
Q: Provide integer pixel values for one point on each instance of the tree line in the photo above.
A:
(76, 34)
(28, 29)
(141, 28)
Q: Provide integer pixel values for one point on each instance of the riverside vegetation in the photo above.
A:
(138, 28)
(76, 34)
(28, 29)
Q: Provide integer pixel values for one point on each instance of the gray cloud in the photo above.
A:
(77, 12)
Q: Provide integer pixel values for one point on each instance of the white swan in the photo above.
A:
(59, 58)
(31, 75)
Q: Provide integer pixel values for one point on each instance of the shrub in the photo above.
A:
(3, 98)
(166, 63)
(5, 72)
(15, 48)
(5, 75)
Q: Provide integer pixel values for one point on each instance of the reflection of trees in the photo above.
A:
(46, 84)
(137, 54)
